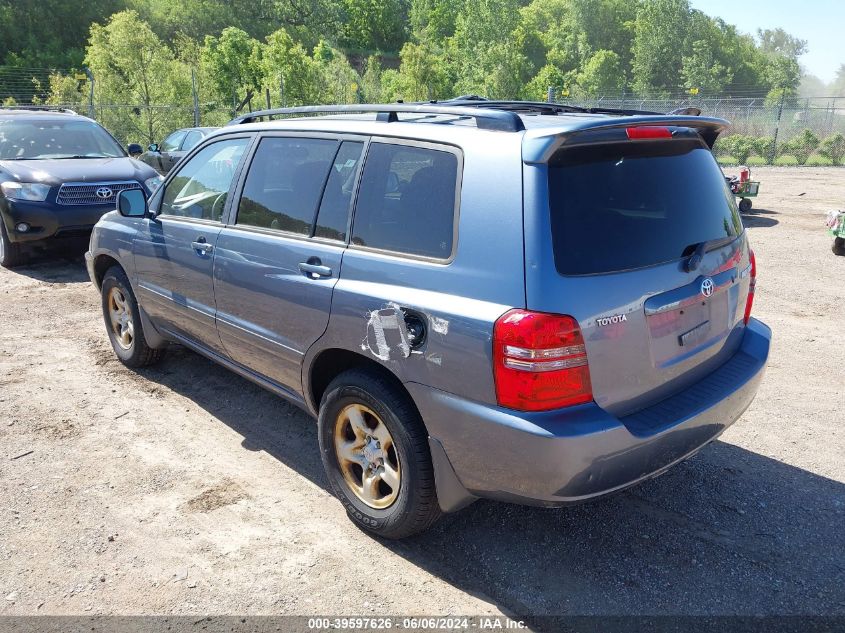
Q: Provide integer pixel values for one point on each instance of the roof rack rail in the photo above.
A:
(539, 107)
(487, 119)
(39, 108)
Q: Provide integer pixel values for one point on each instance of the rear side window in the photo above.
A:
(285, 183)
(193, 137)
(334, 208)
(172, 142)
(620, 206)
(406, 203)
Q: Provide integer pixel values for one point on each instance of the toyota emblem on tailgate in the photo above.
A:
(707, 287)
(104, 192)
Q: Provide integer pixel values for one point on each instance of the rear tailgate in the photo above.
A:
(613, 220)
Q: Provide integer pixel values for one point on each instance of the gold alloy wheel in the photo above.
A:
(367, 456)
(120, 316)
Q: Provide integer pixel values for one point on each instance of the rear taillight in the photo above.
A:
(539, 361)
(648, 131)
(751, 286)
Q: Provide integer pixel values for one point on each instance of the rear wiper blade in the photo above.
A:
(700, 249)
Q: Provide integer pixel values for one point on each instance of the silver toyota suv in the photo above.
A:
(520, 301)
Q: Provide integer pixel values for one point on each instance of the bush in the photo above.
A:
(818, 160)
(786, 161)
(833, 148)
(727, 160)
(737, 145)
(764, 147)
(800, 146)
(757, 161)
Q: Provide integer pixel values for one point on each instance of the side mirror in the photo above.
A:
(135, 150)
(132, 203)
(153, 147)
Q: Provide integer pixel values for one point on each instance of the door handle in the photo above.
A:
(313, 268)
(202, 247)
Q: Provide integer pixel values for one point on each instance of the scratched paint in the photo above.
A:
(387, 335)
(441, 326)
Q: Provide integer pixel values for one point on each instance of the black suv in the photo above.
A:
(59, 172)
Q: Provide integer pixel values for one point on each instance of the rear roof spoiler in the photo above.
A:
(540, 144)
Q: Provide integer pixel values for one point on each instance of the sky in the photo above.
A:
(820, 22)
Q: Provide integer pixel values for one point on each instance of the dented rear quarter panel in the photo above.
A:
(459, 300)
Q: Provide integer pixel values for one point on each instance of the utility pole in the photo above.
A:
(196, 98)
(777, 125)
(90, 75)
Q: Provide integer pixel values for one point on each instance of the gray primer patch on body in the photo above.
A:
(387, 335)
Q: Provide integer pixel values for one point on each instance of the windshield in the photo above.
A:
(619, 206)
(34, 139)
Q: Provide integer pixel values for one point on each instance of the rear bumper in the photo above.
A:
(48, 220)
(567, 456)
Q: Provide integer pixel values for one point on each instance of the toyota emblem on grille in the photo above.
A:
(104, 192)
(707, 287)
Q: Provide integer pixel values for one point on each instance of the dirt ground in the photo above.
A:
(185, 489)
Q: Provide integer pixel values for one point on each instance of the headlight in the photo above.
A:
(25, 190)
(153, 183)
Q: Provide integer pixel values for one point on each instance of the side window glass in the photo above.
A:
(171, 143)
(200, 188)
(285, 182)
(334, 209)
(406, 201)
(191, 140)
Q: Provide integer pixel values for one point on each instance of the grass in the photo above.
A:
(786, 161)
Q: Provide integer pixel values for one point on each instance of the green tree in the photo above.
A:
(660, 29)
(602, 75)
(134, 67)
(434, 20)
(779, 42)
(375, 25)
(487, 58)
(548, 76)
(49, 33)
(232, 63)
(701, 70)
(288, 71)
(337, 81)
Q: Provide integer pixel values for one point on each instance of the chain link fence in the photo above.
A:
(797, 131)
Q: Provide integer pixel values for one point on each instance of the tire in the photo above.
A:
(744, 205)
(10, 252)
(393, 512)
(118, 299)
(838, 247)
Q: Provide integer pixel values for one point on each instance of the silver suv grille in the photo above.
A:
(93, 192)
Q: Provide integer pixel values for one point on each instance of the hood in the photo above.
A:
(57, 171)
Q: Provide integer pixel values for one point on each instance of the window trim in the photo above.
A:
(232, 216)
(158, 196)
(456, 210)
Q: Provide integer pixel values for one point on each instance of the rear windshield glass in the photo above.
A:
(619, 206)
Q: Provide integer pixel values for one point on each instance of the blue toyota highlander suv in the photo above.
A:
(59, 172)
(526, 302)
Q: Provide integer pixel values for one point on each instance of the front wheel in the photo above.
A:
(123, 321)
(838, 247)
(10, 252)
(375, 452)
(744, 205)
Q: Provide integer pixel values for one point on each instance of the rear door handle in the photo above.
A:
(202, 247)
(315, 270)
